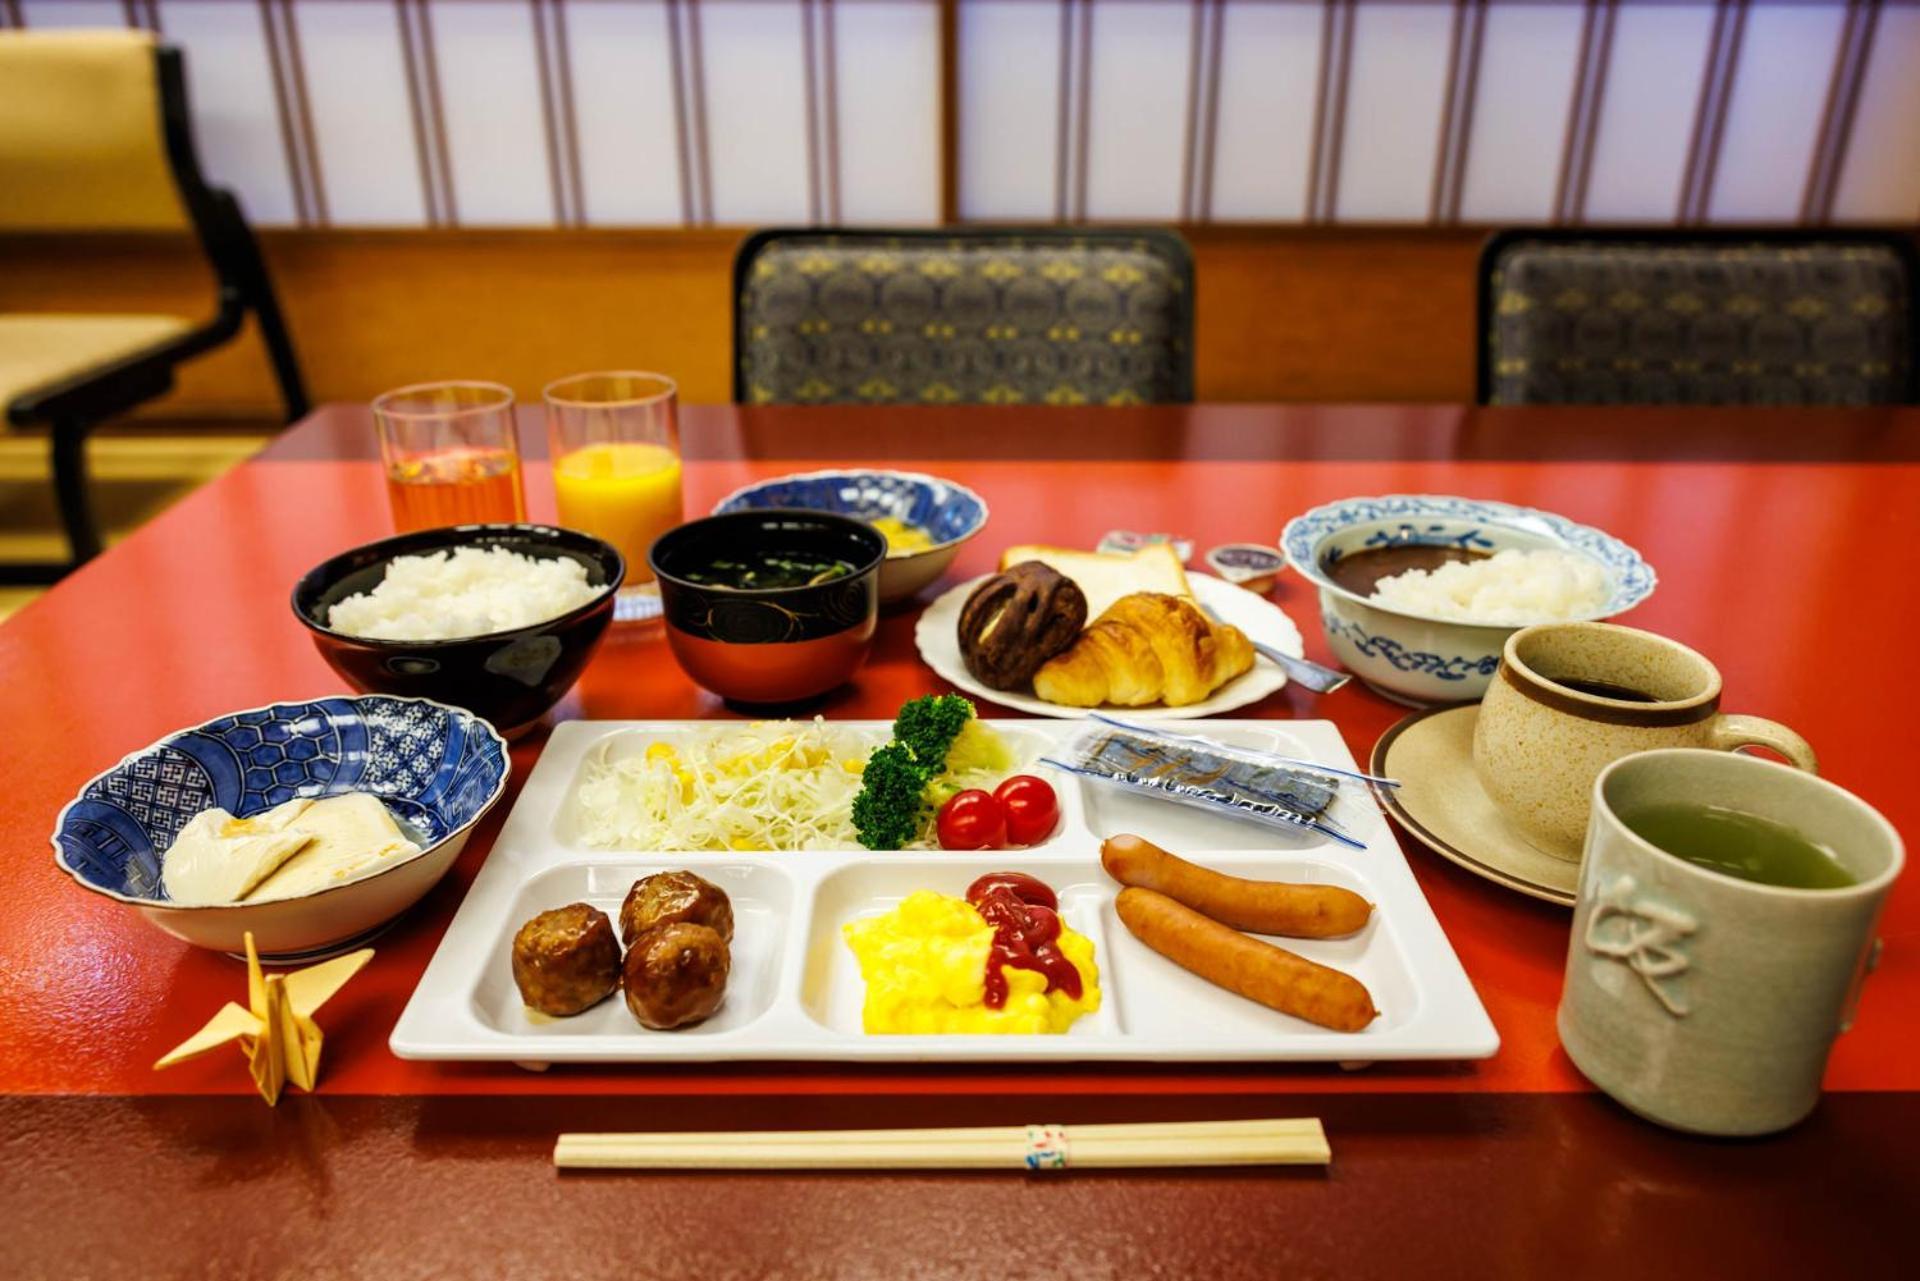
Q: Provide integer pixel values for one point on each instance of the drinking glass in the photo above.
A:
(616, 468)
(451, 454)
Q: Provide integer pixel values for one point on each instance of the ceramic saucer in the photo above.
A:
(1441, 804)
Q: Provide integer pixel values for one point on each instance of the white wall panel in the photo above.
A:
(756, 110)
(1394, 94)
(490, 95)
(1008, 103)
(1646, 115)
(623, 108)
(54, 14)
(1528, 55)
(236, 125)
(363, 128)
(887, 74)
(1137, 108)
(1780, 85)
(1880, 181)
(1263, 139)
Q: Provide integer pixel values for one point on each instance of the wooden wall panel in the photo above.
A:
(1327, 313)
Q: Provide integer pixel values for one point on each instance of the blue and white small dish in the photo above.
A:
(950, 513)
(1417, 659)
(437, 769)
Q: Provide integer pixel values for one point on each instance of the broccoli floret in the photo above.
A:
(887, 811)
(927, 727)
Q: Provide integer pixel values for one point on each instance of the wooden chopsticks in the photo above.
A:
(1030, 1147)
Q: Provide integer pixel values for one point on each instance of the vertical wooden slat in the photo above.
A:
(1596, 101)
(1189, 142)
(1837, 114)
(416, 109)
(1456, 110)
(697, 98)
(1062, 138)
(437, 115)
(949, 111)
(682, 113)
(809, 58)
(549, 109)
(1083, 129)
(1210, 129)
(569, 118)
(284, 109)
(1330, 110)
(1583, 111)
(1710, 114)
(830, 108)
(297, 81)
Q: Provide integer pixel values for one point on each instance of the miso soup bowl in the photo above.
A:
(777, 645)
(1420, 659)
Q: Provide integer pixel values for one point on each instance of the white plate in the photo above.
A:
(795, 991)
(938, 637)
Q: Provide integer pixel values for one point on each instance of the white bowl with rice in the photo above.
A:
(1467, 574)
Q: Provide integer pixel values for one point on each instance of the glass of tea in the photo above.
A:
(451, 454)
(616, 468)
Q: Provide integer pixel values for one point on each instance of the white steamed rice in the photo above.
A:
(464, 592)
(1508, 587)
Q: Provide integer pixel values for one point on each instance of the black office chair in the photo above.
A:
(94, 136)
(1691, 316)
(978, 315)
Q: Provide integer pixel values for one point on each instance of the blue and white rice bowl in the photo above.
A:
(1415, 658)
(437, 769)
(949, 512)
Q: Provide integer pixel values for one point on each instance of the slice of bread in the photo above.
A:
(1103, 577)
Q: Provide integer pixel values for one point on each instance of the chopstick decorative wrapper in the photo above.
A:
(1020, 1147)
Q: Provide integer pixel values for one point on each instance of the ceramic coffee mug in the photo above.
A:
(1539, 742)
(1703, 1001)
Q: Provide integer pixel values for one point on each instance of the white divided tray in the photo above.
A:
(795, 990)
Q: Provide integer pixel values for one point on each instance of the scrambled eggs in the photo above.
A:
(925, 966)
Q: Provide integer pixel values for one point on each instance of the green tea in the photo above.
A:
(1740, 845)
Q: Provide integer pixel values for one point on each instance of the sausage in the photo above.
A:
(1272, 976)
(1263, 907)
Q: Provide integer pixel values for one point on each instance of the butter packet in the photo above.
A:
(1278, 791)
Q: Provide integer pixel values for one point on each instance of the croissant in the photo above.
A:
(1147, 648)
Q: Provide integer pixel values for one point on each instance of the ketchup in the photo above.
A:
(1025, 916)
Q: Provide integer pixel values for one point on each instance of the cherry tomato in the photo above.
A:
(1032, 809)
(972, 820)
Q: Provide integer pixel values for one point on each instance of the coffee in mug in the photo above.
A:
(1569, 699)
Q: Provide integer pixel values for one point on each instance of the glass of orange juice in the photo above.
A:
(616, 468)
(451, 454)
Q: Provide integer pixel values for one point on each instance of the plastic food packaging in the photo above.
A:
(1278, 791)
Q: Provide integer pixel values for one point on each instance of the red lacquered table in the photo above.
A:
(1784, 542)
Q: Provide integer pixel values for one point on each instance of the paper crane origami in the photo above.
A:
(276, 1032)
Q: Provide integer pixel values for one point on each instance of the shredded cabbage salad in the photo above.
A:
(768, 785)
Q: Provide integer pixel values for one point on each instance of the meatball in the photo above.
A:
(676, 974)
(666, 898)
(566, 960)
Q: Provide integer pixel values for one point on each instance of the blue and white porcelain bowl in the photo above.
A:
(950, 513)
(1414, 658)
(437, 769)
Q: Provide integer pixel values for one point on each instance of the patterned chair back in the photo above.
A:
(1720, 318)
(975, 316)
